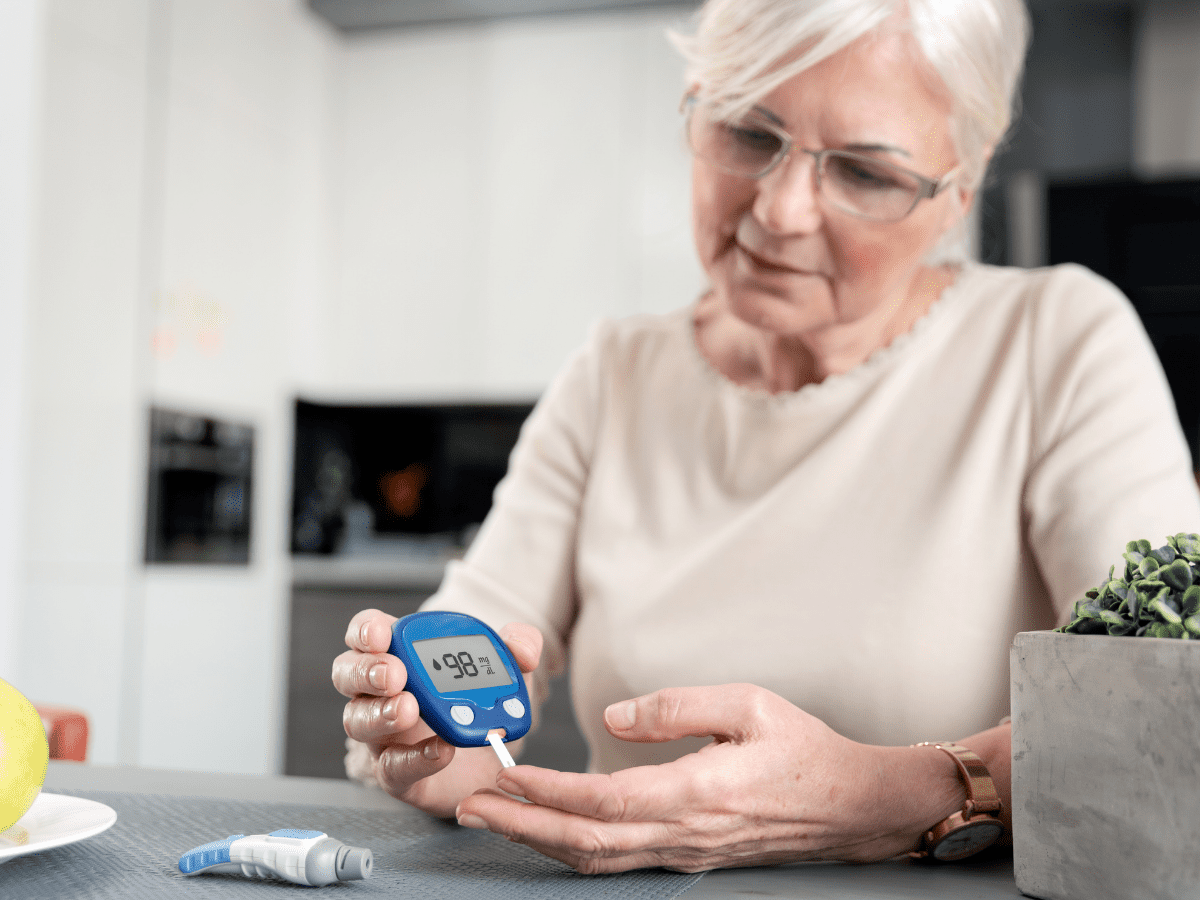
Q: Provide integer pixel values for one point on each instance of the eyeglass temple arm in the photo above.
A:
(930, 189)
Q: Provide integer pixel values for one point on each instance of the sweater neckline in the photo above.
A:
(874, 364)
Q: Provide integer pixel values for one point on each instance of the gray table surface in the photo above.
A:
(986, 877)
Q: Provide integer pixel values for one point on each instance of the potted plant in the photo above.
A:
(1106, 737)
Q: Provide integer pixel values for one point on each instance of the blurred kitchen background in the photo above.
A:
(280, 280)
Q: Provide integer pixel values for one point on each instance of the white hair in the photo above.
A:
(741, 50)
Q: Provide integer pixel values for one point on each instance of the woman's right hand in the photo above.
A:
(407, 759)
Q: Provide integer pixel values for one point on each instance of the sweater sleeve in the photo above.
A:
(1109, 463)
(521, 566)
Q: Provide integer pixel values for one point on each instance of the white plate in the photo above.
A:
(55, 820)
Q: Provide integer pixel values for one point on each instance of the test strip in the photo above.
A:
(497, 743)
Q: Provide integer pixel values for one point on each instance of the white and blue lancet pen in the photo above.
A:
(310, 858)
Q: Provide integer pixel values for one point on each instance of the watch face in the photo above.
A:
(968, 838)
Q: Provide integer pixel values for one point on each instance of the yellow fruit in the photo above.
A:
(24, 754)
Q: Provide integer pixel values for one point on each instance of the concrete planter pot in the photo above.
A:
(1106, 767)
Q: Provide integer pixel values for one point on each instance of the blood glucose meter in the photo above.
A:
(466, 682)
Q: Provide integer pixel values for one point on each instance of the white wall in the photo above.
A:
(236, 205)
(1167, 88)
(20, 62)
(81, 373)
(502, 187)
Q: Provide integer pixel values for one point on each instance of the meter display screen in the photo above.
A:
(462, 663)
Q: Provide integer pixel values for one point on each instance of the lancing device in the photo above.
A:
(467, 683)
(310, 858)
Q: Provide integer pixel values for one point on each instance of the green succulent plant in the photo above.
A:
(1158, 594)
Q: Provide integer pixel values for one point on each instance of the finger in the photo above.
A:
(370, 631)
(643, 793)
(699, 858)
(399, 768)
(525, 642)
(585, 844)
(731, 712)
(374, 719)
(608, 865)
(376, 674)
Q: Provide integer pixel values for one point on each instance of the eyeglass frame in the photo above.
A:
(928, 188)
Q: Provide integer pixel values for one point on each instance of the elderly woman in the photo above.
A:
(786, 534)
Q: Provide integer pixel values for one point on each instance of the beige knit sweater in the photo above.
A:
(866, 547)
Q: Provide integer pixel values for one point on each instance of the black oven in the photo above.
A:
(200, 489)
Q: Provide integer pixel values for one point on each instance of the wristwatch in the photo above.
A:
(977, 825)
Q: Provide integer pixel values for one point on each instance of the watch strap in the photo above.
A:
(982, 796)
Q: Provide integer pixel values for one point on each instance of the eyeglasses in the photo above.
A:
(854, 183)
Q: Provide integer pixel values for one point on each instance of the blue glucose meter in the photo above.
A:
(466, 681)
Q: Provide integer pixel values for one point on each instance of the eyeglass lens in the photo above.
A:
(854, 183)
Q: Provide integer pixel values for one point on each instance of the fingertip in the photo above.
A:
(407, 711)
(445, 752)
(377, 675)
(391, 708)
(525, 642)
(358, 632)
(387, 678)
(370, 631)
(621, 716)
(505, 783)
(401, 767)
(470, 804)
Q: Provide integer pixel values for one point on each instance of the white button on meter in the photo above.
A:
(462, 715)
(514, 707)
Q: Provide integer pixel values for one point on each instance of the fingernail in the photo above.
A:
(510, 787)
(364, 634)
(431, 751)
(621, 715)
(378, 676)
(391, 708)
(470, 821)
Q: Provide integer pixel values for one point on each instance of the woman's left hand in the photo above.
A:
(776, 785)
